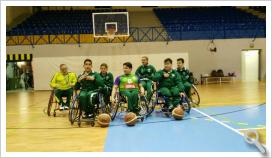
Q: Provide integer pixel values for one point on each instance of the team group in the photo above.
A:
(172, 83)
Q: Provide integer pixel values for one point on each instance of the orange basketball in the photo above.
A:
(130, 119)
(104, 120)
(178, 113)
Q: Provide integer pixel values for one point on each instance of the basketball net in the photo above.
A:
(111, 33)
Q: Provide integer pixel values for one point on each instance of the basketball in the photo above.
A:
(104, 120)
(178, 113)
(130, 119)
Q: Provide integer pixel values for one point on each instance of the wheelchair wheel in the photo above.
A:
(143, 106)
(151, 103)
(92, 123)
(114, 109)
(74, 111)
(79, 118)
(50, 103)
(195, 99)
(186, 108)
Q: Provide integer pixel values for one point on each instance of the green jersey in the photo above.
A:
(127, 82)
(90, 85)
(185, 75)
(172, 81)
(147, 71)
(108, 79)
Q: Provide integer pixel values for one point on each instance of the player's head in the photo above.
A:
(88, 65)
(103, 68)
(180, 63)
(127, 67)
(144, 60)
(168, 64)
(63, 68)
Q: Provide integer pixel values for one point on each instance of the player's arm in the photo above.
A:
(179, 84)
(153, 71)
(73, 79)
(137, 72)
(53, 82)
(158, 76)
(99, 80)
(111, 79)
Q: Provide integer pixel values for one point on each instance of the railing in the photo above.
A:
(143, 34)
(137, 34)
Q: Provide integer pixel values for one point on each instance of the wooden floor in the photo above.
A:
(30, 129)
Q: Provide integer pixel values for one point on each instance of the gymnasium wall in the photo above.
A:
(46, 58)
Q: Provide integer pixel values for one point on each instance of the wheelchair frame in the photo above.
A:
(156, 99)
(75, 112)
(122, 102)
(52, 101)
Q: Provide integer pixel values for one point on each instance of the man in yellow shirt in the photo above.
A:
(63, 83)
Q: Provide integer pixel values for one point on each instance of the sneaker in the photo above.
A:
(66, 107)
(90, 116)
(61, 108)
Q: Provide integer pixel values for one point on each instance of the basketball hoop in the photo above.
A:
(111, 33)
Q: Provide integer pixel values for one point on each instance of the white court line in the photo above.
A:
(220, 122)
(243, 129)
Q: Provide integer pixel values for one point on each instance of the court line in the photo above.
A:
(220, 122)
(244, 129)
(189, 118)
(198, 117)
(223, 124)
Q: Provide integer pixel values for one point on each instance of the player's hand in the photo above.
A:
(82, 78)
(165, 75)
(90, 78)
(182, 94)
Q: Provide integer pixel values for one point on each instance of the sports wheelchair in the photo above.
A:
(158, 100)
(52, 102)
(120, 106)
(75, 112)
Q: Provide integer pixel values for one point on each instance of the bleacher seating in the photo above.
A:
(181, 23)
(58, 22)
(210, 23)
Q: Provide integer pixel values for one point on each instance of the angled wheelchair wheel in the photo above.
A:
(195, 98)
(143, 104)
(151, 103)
(50, 103)
(114, 109)
(186, 107)
(74, 111)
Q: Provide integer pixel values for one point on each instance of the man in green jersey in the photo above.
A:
(185, 75)
(108, 81)
(169, 85)
(88, 83)
(145, 72)
(129, 86)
